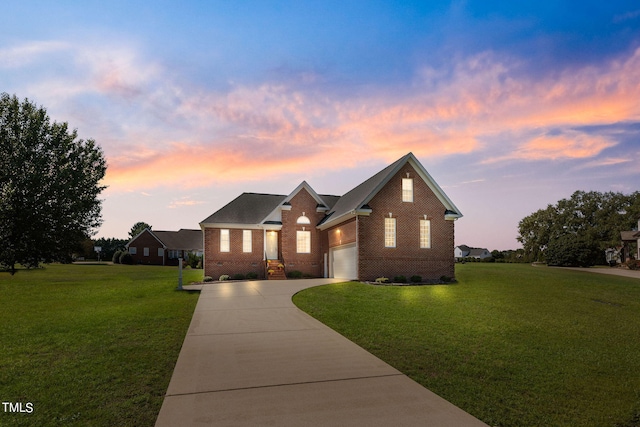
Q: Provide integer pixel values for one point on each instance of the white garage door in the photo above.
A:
(343, 260)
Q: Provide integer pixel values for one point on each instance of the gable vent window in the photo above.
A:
(303, 219)
(407, 189)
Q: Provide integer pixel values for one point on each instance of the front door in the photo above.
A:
(272, 245)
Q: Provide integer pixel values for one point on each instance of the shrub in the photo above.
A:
(445, 279)
(573, 251)
(238, 276)
(382, 280)
(126, 258)
(116, 257)
(224, 277)
(252, 276)
(632, 264)
(416, 279)
(194, 260)
(295, 274)
(207, 279)
(400, 279)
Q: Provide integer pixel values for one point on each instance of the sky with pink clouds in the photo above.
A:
(509, 107)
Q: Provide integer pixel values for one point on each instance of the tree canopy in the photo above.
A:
(49, 186)
(584, 225)
(138, 228)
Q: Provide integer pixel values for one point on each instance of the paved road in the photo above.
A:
(251, 357)
(611, 271)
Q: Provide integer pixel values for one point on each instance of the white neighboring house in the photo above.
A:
(464, 251)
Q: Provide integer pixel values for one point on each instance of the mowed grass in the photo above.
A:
(91, 344)
(514, 345)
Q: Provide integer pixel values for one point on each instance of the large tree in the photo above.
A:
(591, 220)
(138, 228)
(49, 186)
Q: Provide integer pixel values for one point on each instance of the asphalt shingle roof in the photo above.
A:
(183, 239)
(247, 208)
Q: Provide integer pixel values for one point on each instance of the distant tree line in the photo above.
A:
(576, 231)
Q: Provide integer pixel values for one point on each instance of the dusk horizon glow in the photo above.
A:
(509, 107)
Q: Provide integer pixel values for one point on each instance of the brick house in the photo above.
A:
(164, 247)
(398, 222)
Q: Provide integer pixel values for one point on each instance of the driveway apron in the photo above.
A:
(252, 358)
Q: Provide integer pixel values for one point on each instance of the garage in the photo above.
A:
(343, 261)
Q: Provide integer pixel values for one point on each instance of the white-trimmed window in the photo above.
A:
(160, 251)
(133, 250)
(389, 232)
(407, 189)
(303, 219)
(425, 233)
(224, 241)
(303, 242)
(146, 251)
(246, 241)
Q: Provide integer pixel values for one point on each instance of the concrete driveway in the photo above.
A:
(251, 357)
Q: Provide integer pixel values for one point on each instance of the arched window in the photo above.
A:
(303, 219)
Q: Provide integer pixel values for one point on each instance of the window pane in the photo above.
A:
(246, 240)
(390, 232)
(425, 233)
(407, 189)
(224, 240)
(303, 242)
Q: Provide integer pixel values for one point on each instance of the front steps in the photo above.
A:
(277, 272)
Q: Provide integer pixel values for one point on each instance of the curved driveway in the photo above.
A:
(251, 357)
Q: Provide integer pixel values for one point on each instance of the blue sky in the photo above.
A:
(510, 107)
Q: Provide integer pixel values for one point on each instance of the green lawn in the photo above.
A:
(514, 345)
(91, 344)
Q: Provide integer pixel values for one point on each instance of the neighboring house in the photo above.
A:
(629, 238)
(464, 251)
(398, 222)
(164, 247)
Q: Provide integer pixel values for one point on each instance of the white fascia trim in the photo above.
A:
(338, 220)
(437, 190)
(306, 186)
(271, 227)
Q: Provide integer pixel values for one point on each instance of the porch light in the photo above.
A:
(390, 215)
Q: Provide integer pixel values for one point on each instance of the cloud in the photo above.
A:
(185, 201)
(157, 130)
(572, 145)
(26, 53)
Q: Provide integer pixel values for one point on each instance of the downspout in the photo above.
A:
(357, 248)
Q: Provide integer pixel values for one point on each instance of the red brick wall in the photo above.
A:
(342, 234)
(311, 263)
(146, 240)
(407, 258)
(235, 261)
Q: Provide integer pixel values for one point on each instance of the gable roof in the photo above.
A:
(183, 239)
(357, 199)
(255, 208)
(247, 208)
(629, 235)
(319, 200)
